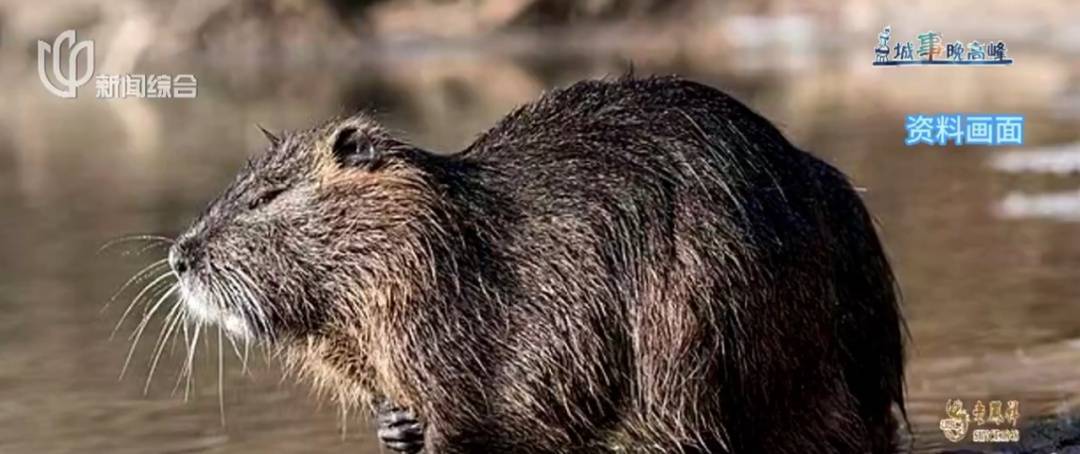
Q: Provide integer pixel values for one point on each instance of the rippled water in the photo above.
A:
(990, 300)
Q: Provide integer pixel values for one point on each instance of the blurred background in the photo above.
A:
(984, 240)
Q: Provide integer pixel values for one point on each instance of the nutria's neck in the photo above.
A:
(441, 282)
(475, 206)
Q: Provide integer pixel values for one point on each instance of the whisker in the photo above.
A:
(180, 376)
(137, 237)
(235, 348)
(247, 303)
(173, 340)
(190, 366)
(152, 246)
(344, 422)
(230, 295)
(149, 311)
(223, 297)
(227, 291)
(139, 276)
(244, 367)
(235, 295)
(142, 326)
(247, 286)
(221, 377)
(135, 301)
(174, 317)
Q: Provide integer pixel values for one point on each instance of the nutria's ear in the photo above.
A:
(352, 147)
(274, 140)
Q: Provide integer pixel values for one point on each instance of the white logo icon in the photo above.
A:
(72, 79)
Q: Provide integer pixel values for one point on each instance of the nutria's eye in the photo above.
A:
(352, 148)
(264, 198)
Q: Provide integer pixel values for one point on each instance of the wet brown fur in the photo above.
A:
(639, 264)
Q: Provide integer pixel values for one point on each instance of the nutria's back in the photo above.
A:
(639, 264)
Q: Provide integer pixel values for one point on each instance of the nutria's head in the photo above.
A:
(305, 231)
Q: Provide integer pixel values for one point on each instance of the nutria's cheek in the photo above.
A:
(203, 307)
(237, 327)
(196, 302)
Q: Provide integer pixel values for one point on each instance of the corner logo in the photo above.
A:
(933, 50)
(68, 78)
(72, 79)
(957, 421)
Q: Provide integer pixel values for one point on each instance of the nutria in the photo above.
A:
(641, 264)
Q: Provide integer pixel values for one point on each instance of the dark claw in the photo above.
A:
(399, 430)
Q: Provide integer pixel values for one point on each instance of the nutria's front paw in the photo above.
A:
(399, 429)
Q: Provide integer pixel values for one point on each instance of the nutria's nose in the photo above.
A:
(180, 256)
